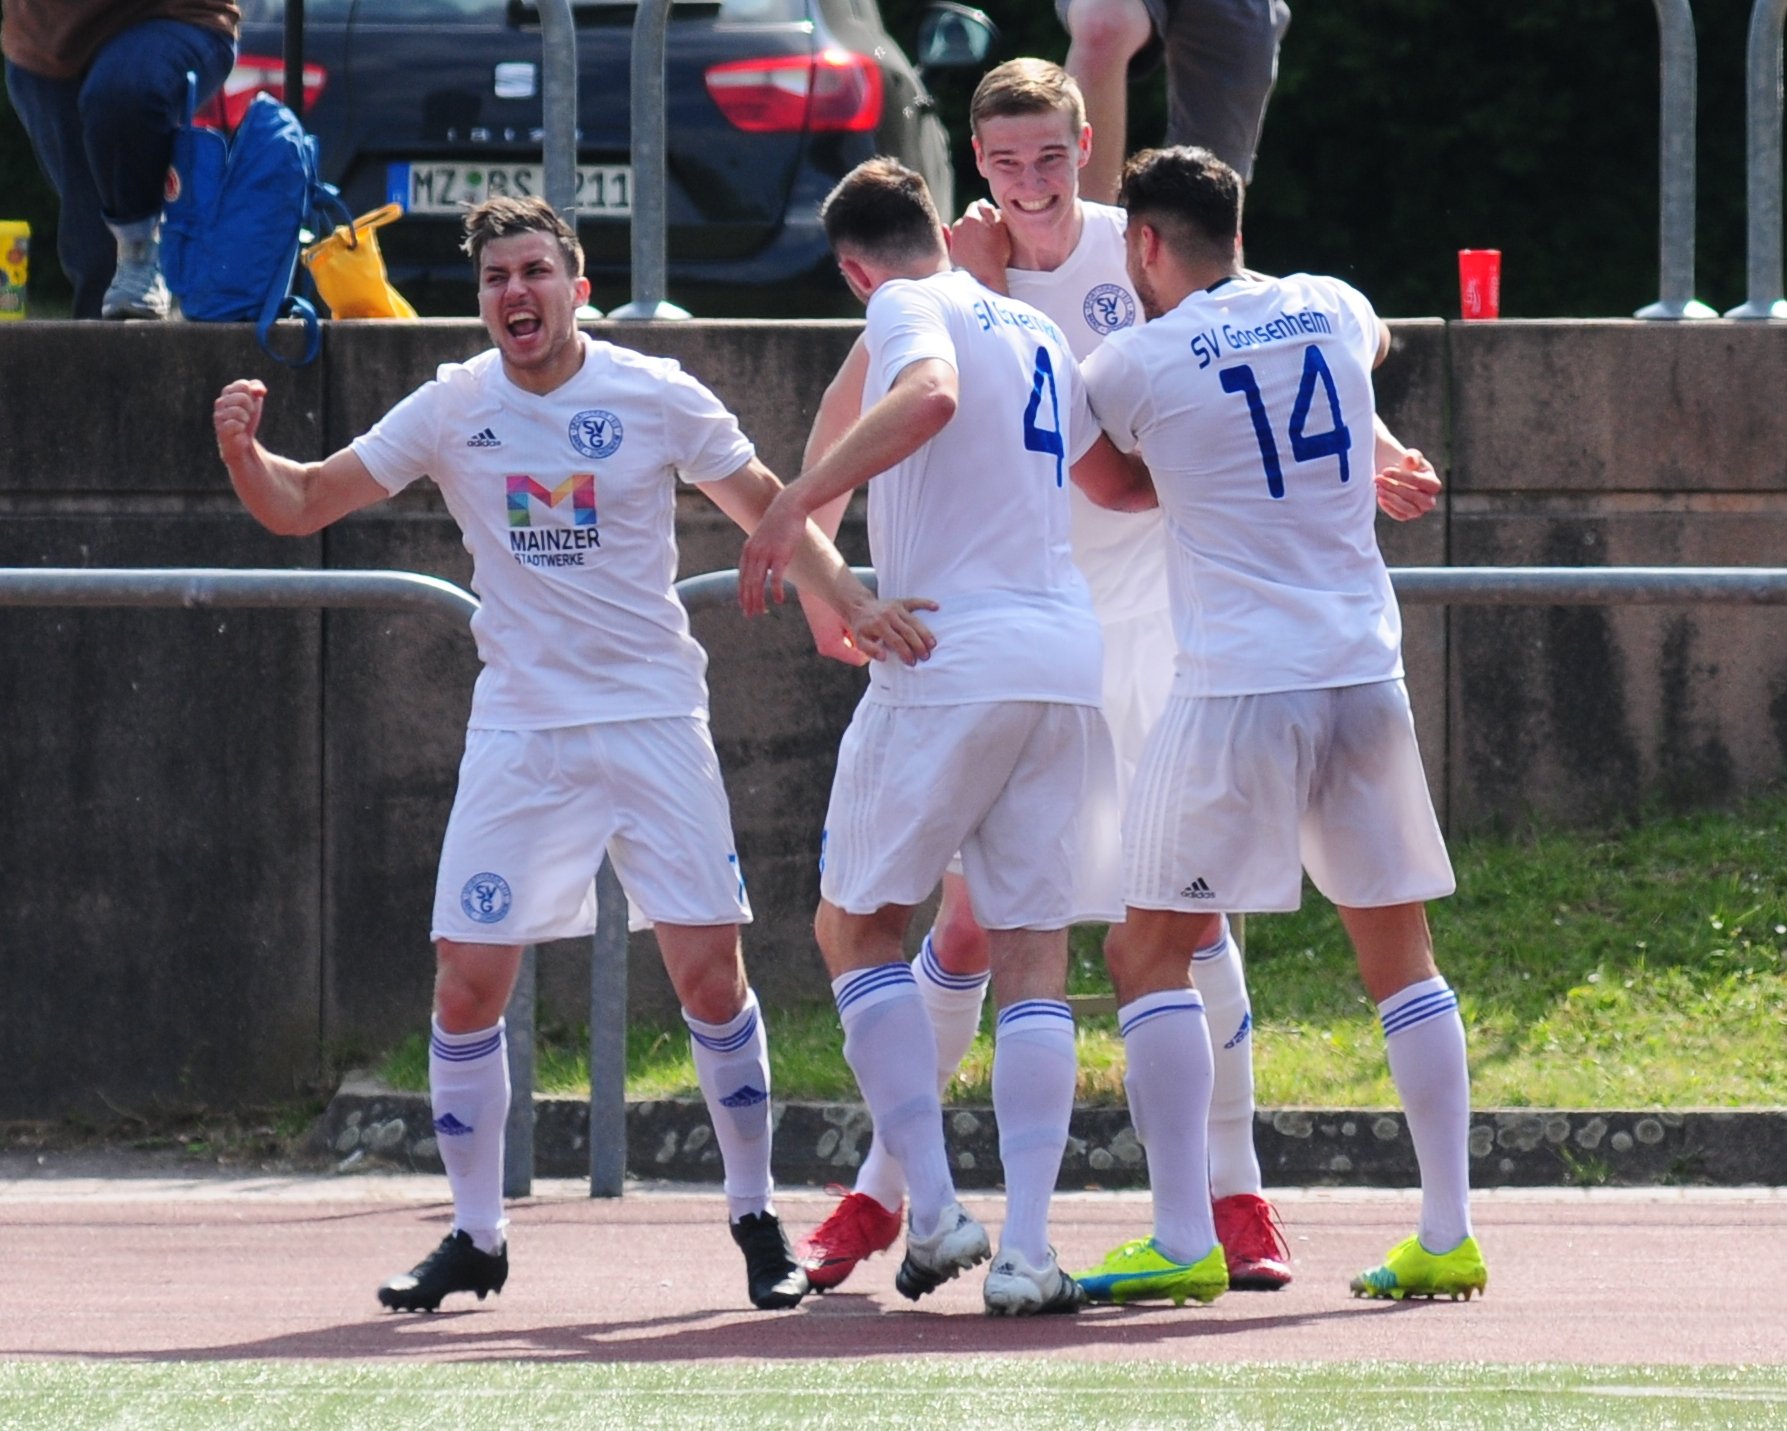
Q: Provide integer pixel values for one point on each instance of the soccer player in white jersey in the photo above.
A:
(559, 457)
(1288, 744)
(973, 416)
(1046, 245)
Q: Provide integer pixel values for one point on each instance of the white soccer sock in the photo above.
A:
(954, 1002)
(468, 1085)
(1217, 972)
(1034, 1064)
(1424, 1043)
(732, 1065)
(1166, 1044)
(889, 1046)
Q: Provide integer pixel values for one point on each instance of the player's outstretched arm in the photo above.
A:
(290, 498)
(839, 406)
(877, 628)
(980, 243)
(915, 409)
(1111, 479)
(1407, 486)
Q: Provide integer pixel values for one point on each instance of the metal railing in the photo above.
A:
(1762, 153)
(1676, 160)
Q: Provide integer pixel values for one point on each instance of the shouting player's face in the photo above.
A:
(528, 301)
(1032, 163)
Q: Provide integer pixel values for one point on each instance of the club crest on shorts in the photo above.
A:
(595, 432)
(486, 898)
(1109, 307)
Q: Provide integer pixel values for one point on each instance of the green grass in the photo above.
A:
(1644, 966)
(931, 1393)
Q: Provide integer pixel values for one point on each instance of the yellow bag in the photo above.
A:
(350, 271)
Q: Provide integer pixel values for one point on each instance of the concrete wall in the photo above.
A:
(220, 828)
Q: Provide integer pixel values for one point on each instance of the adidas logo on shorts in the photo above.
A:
(486, 438)
(1197, 889)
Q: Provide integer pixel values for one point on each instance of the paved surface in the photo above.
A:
(161, 1268)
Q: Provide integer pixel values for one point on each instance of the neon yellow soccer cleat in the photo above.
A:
(1138, 1270)
(1410, 1270)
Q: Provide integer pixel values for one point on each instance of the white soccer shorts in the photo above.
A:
(1021, 788)
(1238, 795)
(536, 809)
(1139, 652)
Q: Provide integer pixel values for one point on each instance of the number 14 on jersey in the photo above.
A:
(1306, 446)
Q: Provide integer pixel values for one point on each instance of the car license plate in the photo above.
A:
(603, 190)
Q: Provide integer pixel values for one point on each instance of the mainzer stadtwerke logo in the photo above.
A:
(596, 433)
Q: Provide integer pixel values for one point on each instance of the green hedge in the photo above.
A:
(1404, 130)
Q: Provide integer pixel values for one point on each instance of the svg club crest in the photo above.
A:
(486, 898)
(596, 432)
(1109, 307)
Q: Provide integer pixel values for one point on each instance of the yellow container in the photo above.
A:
(15, 255)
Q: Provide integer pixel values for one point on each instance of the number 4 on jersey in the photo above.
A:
(1305, 446)
(1045, 439)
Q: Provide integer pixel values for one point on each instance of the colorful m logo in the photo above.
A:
(579, 488)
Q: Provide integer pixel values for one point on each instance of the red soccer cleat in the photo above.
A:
(1251, 1236)
(857, 1229)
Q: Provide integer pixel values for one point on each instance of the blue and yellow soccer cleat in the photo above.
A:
(1410, 1270)
(1138, 1270)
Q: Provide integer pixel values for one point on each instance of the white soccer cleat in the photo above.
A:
(1016, 1289)
(958, 1244)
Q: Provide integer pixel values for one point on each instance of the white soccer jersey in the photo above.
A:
(1252, 405)
(1122, 555)
(567, 505)
(976, 519)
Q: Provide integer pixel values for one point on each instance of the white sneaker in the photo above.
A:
(1016, 1289)
(958, 1244)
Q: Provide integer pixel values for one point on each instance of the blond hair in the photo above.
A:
(1027, 87)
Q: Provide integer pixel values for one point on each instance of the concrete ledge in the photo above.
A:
(367, 1127)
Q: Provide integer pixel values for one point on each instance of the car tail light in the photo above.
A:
(831, 90)
(255, 74)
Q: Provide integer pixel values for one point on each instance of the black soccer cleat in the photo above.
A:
(776, 1280)
(455, 1266)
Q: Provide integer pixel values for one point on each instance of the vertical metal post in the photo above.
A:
(558, 98)
(608, 1039)
(651, 22)
(518, 1128)
(1762, 149)
(1675, 195)
(294, 57)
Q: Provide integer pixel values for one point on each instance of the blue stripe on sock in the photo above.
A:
(1190, 1005)
(871, 981)
(1035, 1009)
(730, 1043)
(464, 1053)
(1418, 1011)
(940, 976)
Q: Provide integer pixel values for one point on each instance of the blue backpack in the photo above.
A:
(230, 230)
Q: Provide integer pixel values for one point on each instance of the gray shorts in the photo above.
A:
(1221, 61)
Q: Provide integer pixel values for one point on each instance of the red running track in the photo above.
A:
(207, 1268)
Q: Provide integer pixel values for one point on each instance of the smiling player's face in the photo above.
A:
(1032, 164)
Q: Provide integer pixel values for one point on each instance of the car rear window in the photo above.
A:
(484, 12)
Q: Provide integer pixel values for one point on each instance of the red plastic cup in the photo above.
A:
(1480, 282)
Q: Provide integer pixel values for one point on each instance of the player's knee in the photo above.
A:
(960, 943)
(468, 995)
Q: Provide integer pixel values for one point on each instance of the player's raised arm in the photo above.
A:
(980, 242)
(877, 628)
(290, 498)
(839, 406)
(916, 408)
